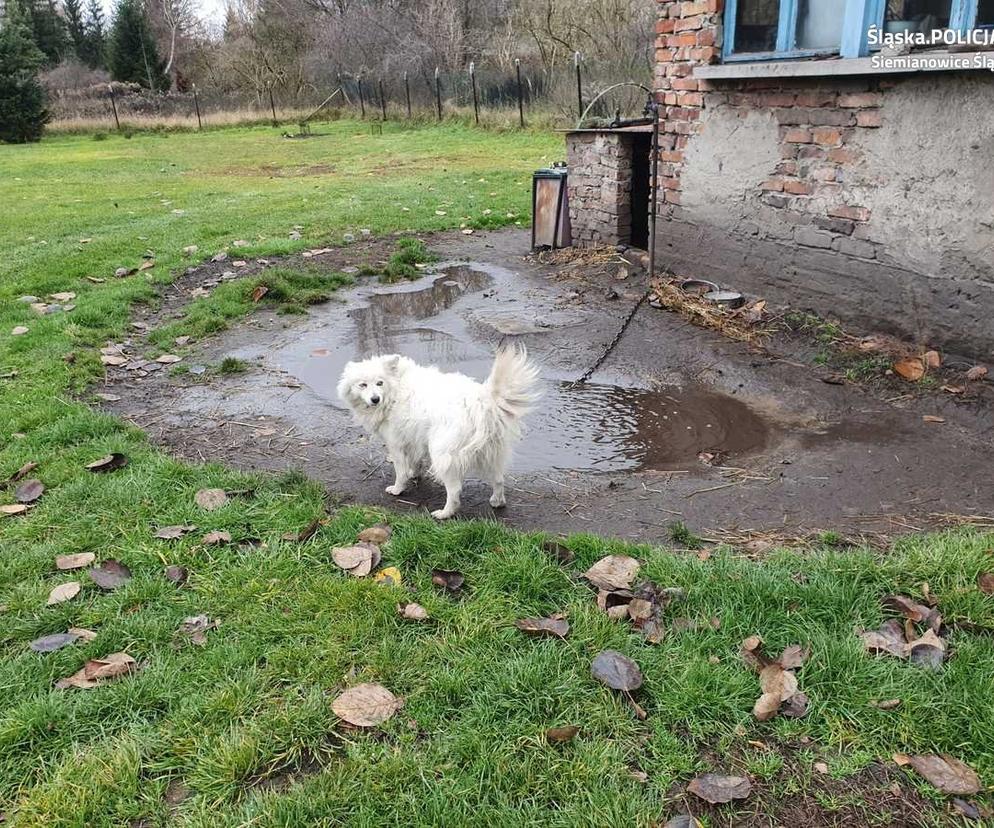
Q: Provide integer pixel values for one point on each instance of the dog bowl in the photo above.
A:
(698, 286)
(726, 298)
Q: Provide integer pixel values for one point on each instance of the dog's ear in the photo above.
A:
(390, 363)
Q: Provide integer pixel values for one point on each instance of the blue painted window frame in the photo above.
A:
(859, 16)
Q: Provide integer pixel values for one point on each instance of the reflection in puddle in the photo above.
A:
(592, 426)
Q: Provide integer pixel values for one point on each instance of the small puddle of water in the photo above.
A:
(595, 427)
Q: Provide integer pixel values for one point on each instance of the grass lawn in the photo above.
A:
(240, 731)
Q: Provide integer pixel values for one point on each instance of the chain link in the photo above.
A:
(617, 338)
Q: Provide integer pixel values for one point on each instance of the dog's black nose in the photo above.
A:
(374, 400)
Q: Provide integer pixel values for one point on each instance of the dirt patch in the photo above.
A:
(679, 423)
(273, 171)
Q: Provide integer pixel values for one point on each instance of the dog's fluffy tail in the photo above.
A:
(512, 382)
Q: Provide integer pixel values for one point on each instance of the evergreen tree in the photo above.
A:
(22, 100)
(132, 56)
(96, 36)
(73, 10)
(48, 29)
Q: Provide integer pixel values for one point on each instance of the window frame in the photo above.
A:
(858, 17)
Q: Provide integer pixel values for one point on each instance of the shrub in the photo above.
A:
(22, 100)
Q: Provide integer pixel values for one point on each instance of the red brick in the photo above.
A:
(787, 167)
(690, 98)
(851, 213)
(716, 6)
(693, 9)
(665, 25)
(669, 99)
(826, 136)
(788, 150)
(684, 39)
(670, 183)
(772, 185)
(840, 155)
(815, 98)
(796, 187)
(706, 37)
(690, 23)
(869, 118)
(705, 54)
(673, 156)
(808, 151)
(671, 197)
(776, 99)
(685, 84)
(679, 70)
(664, 55)
(860, 100)
(797, 136)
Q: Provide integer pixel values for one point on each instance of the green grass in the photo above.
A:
(254, 703)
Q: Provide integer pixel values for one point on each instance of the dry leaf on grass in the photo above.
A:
(216, 538)
(613, 572)
(552, 627)
(357, 560)
(77, 561)
(82, 633)
(388, 576)
(378, 534)
(21, 473)
(889, 638)
(197, 627)
(903, 641)
(13, 509)
(412, 612)
(985, 582)
(211, 499)
(98, 670)
(932, 359)
(947, 773)
(560, 735)
(51, 643)
(450, 580)
(29, 491)
(176, 574)
(927, 651)
(617, 671)
(168, 359)
(562, 553)
(306, 533)
(63, 592)
(174, 532)
(110, 574)
(717, 789)
(366, 705)
(258, 292)
(112, 462)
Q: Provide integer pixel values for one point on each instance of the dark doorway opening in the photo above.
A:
(641, 149)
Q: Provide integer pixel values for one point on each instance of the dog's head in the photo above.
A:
(366, 386)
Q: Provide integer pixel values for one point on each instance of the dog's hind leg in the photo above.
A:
(453, 496)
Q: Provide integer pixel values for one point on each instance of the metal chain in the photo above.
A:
(614, 342)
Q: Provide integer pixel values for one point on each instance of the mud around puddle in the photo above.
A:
(679, 424)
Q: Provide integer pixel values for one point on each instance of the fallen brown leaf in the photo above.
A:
(613, 572)
(357, 560)
(378, 534)
(910, 369)
(176, 574)
(110, 574)
(617, 671)
(112, 462)
(752, 653)
(51, 643)
(977, 372)
(932, 359)
(366, 705)
(197, 627)
(82, 633)
(259, 292)
(716, 789)
(168, 359)
(211, 499)
(889, 638)
(29, 491)
(933, 418)
(793, 657)
(985, 582)
(449, 579)
(927, 651)
(173, 532)
(553, 627)
(886, 704)
(560, 735)
(558, 550)
(216, 538)
(13, 509)
(77, 561)
(412, 612)
(21, 473)
(947, 773)
(306, 533)
(98, 670)
(63, 592)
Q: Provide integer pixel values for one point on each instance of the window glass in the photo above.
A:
(756, 25)
(985, 13)
(916, 15)
(819, 23)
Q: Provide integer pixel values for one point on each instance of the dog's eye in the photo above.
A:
(362, 385)
(379, 382)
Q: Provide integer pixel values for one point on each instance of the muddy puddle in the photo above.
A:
(593, 427)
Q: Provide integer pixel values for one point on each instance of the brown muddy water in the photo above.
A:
(591, 426)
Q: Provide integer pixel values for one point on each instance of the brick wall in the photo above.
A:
(600, 187)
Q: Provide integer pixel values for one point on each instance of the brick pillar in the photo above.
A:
(687, 34)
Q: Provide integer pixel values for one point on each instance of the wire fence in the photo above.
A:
(517, 95)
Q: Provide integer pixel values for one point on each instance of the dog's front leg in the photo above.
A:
(402, 472)
(453, 495)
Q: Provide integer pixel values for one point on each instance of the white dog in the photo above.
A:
(449, 424)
